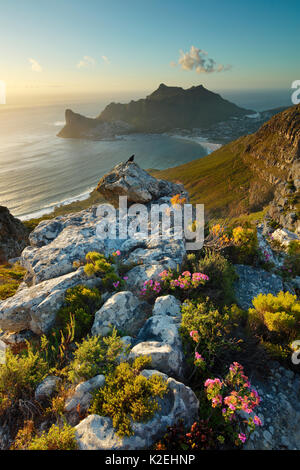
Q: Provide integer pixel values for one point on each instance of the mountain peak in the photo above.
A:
(167, 108)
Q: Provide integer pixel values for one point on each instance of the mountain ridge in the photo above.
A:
(165, 109)
(250, 172)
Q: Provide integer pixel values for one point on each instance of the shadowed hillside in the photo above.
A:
(245, 174)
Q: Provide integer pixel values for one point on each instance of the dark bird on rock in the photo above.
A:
(130, 159)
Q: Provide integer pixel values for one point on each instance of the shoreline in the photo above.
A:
(50, 210)
(208, 146)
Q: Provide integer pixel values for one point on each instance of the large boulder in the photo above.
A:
(80, 399)
(160, 328)
(34, 308)
(123, 311)
(57, 243)
(164, 357)
(13, 236)
(97, 432)
(128, 179)
(284, 236)
(160, 338)
(167, 305)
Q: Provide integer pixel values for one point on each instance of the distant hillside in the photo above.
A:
(248, 173)
(165, 109)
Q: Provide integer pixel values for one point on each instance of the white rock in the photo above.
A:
(123, 311)
(128, 179)
(34, 308)
(82, 395)
(167, 305)
(164, 357)
(97, 433)
(161, 328)
(284, 236)
(47, 388)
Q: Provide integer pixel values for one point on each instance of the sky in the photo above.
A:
(112, 47)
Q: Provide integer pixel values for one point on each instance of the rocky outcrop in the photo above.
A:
(253, 281)
(80, 398)
(46, 389)
(164, 357)
(168, 305)
(57, 243)
(97, 433)
(128, 179)
(122, 311)
(284, 237)
(34, 308)
(279, 411)
(161, 339)
(284, 209)
(78, 126)
(165, 109)
(13, 236)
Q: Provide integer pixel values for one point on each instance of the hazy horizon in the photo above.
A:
(249, 98)
(96, 47)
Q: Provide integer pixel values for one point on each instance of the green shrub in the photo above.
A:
(57, 438)
(276, 317)
(82, 302)
(221, 273)
(99, 265)
(245, 246)
(291, 267)
(211, 329)
(20, 374)
(95, 355)
(10, 279)
(96, 264)
(128, 395)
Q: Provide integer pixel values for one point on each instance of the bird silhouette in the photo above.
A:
(130, 159)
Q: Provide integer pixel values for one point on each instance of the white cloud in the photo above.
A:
(105, 59)
(86, 61)
(197, 59)
(35, 66)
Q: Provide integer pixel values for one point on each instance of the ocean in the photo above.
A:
(39, 170)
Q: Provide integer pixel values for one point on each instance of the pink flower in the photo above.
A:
(125, 278)
(163, 273)
(257, 421)
(116, 284)
(186, 273)
(198, 356)
(117, 253)
(242, 437)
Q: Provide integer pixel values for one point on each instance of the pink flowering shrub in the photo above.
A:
(207, 331)
(182, 286)
(234, 395)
